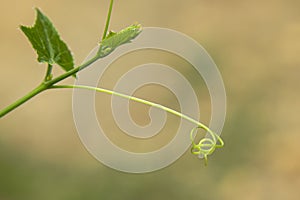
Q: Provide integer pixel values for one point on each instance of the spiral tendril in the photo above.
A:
(206, 146)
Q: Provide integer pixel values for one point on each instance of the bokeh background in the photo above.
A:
(256, 45)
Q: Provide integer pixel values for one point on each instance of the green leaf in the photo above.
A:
(114, 40)
(47, 43)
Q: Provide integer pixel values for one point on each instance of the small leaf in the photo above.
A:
(114, 40)
(47, 43)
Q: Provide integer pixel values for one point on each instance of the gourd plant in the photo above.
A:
(52, 51)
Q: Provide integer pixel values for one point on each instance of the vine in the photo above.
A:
(53, 51)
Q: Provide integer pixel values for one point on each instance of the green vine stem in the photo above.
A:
(108, 19)
(46, 85)
(22, 100)
(48, 75)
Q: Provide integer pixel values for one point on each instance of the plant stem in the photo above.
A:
(22, 100)
(46, 85)
(108, 19)
(73, 71)
(48, 75)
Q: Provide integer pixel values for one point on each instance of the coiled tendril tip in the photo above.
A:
(206, 146)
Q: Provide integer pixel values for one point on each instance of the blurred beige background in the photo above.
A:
(256, 45)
